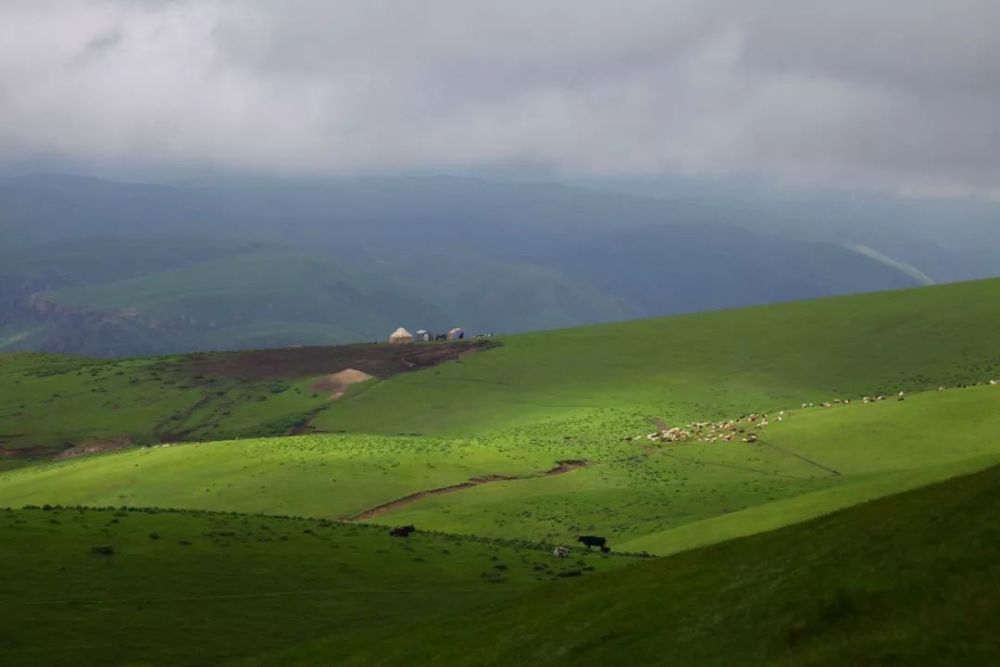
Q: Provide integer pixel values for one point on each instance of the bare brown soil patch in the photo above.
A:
(562, 467)
(335, 384)
(378, 360)
(95, 447)
(28, 452)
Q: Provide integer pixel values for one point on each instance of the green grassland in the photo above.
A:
(315, 475)
(591, 394)
(697, 367)
(202, 588)
(51, 401)
(908, 579)
(643, 497)
(912, 579)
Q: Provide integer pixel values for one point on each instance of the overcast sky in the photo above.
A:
(900, 95)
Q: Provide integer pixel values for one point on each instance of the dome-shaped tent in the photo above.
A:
(401, 336)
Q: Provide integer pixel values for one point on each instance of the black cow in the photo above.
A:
(402, 531)
(441, 337)
(593, 541)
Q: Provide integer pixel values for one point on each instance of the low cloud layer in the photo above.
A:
(900, 95)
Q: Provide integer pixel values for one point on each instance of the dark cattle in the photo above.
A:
(593, 541)
(441, 337)
(402, 531)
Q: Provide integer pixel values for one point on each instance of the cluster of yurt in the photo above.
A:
(403, 337)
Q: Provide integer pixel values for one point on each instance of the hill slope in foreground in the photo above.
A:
(912, 579)
(907, 580)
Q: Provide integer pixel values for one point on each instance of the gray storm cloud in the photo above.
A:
(901, 95)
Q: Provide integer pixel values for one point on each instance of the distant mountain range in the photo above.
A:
(102, 268)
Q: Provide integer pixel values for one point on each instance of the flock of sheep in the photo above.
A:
(744, 428)
(723, 431)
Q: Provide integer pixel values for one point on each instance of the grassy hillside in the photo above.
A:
(659, 498)
(191, 397)
(696, 367)
(536, 441)
(191, 588)
(912, 579)
(558, 384)
(138, 400)
(663, 499)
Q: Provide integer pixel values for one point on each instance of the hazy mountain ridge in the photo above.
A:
(109, 268)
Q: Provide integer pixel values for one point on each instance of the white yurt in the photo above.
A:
(401, 336)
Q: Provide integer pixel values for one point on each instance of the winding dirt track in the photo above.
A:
(562, 467)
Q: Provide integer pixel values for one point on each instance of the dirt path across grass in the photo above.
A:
(561, 468)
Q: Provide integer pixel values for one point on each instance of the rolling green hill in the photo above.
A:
(196, 588)
(619, 377)
(135, 401)
(201, 396)
(910, 579)
(913, 579)
(527, 443)
(659, 498)
(697, 367)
